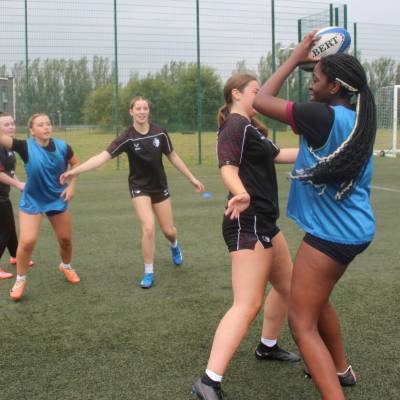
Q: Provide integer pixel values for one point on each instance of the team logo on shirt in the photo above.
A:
(156, 142)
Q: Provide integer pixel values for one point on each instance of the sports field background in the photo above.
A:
(108, 339)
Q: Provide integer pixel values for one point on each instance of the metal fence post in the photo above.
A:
(199, 86)
(116, 81)
(26, 86)
(273, 58)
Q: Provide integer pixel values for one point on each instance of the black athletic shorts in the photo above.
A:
(155, 196)
(248, 229)
(342, 253)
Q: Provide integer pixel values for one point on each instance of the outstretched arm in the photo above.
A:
(241, 199)
(266, 101)
(69, 191)
(93, 163)
(8, 180)
(286, 156)
(177, 162)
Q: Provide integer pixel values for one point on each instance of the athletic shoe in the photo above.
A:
(147, 281)
(207, 392)
(5, 274)
(348, 378)
(13, 261)
(176, 253)
(17, 290)
(275, 353)
(70, 274)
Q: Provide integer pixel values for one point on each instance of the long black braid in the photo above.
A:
(346, 163)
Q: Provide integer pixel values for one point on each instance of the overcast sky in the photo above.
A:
(379, 11)
(152, 33)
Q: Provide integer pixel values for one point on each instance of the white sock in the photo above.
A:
(174, 244)
(67, 266)
(345, 372)
(148, 268)
(269, 342)
(21, 278)
(212, 375)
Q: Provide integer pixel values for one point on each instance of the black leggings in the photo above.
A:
(8, 233)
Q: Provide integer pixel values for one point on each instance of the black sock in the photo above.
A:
(266, 348)
(208, 381)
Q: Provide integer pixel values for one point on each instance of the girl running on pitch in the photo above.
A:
(45, 159)
(329, 199)
(8, 232)
(258, 250)
(145, 143)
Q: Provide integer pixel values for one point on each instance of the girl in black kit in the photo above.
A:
(8, 233)
(258, 250)
(145, 143)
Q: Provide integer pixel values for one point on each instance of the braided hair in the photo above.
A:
(346, 163)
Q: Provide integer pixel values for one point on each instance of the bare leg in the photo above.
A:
(329, 329)
(314, 278)
(143, 208)
(163, 211)
(250, 270)
(62, 226)
(276, 303)
(29, 231)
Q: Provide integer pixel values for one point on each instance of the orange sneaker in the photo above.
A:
(13, 261)
(5, 274)
(17, 290)
(70, 274)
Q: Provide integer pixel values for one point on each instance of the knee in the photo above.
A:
(249, 310)
(148, 231)
(65, 242)
(26, 246)
(168, 231)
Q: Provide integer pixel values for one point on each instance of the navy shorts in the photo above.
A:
(342, 253)
(156, 196)
(246, 230)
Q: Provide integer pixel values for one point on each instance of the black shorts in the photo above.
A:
(244, 232)
(341, 253)
(156, 196)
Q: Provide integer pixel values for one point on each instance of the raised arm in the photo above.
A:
(178, 163)
(266, 101)
(92, 163)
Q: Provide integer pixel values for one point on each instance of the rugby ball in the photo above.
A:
(330, 40)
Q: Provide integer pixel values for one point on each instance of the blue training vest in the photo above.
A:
(315, 209)
(43, 169)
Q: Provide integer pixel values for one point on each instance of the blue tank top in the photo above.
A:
(43, 169)
(315, 209)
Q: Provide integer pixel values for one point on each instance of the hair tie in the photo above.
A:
(346, 85)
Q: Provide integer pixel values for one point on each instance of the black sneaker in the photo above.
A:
(348, 378)
(207, 392)
(275, 353)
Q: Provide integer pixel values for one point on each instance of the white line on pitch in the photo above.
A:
(387, 189)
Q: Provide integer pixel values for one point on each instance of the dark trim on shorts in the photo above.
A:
(156, 196)
(342, 253)
(55, 212)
